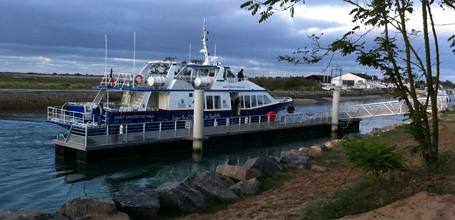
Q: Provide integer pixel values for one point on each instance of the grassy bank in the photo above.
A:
(369, 192)
(24, 81)
(342, 190)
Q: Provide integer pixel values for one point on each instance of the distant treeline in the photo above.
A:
(286, 84)
(54, 74)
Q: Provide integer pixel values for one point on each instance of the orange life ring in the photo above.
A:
(138, 81)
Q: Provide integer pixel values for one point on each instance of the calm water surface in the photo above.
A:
(31, 178)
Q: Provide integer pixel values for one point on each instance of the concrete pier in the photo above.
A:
(198, 120)
(335, 110)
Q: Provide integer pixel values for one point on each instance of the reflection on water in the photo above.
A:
(31, 178)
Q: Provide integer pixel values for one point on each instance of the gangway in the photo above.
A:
(385, 108)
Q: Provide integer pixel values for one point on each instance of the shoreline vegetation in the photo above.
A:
(35, 91)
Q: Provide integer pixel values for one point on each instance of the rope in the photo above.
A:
(347, 125)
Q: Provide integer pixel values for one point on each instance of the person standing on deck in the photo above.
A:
(100, 112)
(290, 108)
(240, 75)
(236, 107)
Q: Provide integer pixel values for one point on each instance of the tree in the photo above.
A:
(396, 53)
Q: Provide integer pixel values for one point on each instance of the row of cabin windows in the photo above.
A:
(251, 101)
(248, 101)
(213, 101)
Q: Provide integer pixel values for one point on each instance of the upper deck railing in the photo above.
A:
(85, 138)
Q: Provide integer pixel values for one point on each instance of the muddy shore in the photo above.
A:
(36, 99)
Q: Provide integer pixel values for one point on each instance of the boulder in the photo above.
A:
(30, 215)
(311, 152)
(246, 187)
(319, 147)
(226, 181)
(263, 165)
(209, 184)
(332, 144)
(183, 197)
(90, 208)
(138, 202)
(236, 172)
(294, 159)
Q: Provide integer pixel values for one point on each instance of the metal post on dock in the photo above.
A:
(198, 119)
(335, 110)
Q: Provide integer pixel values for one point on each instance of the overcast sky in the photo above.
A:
(68, 36)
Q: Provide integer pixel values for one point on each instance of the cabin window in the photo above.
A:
(241, 101)
(247, 101)
(190, 94)
(212, 72)
(253, 101)
(217, 102)
(209, 102)
(229, 74)
(260, 100)
(203, 72)
(267, 100)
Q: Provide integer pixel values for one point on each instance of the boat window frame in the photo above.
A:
(217, 101)
(267, 100)
(247, 101)
(253, 101)
(260, 100)
(208, 103)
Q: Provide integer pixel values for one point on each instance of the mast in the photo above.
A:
(204, 49)
(105, 54)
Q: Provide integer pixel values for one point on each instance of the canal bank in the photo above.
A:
(34, 99)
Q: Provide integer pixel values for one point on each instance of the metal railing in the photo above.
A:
(385, 108)
(94, 137)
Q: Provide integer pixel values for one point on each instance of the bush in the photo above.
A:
(373, 156)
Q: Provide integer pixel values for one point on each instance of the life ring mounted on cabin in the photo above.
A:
(138, 79)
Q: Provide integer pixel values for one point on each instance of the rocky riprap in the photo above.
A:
(227, 183)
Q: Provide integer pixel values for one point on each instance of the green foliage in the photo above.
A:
(368, 193)
(373, 157)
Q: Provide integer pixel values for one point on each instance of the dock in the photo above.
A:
(157, 137)
(104, 142)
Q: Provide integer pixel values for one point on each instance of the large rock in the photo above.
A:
(183, 197)
(332, 144)
(263, 165)
(311, 151)
(209, 184)
(294, 159)
(236, 172)
(246, 187)
(90, 208)
(138, 202)
(29, 215)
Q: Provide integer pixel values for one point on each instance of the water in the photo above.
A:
(31, 178)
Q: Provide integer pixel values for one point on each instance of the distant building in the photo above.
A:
(357, 80)
(320, 78)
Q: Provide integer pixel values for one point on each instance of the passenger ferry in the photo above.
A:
(163, 91)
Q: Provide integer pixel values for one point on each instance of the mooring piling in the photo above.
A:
(198, 119)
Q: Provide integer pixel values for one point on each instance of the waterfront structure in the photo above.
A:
(164, 91)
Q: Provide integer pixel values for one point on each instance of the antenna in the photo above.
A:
(134, 54)
(105, 54)
(268, 62)
(189, 56)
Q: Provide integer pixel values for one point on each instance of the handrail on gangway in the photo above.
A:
(386, 108)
